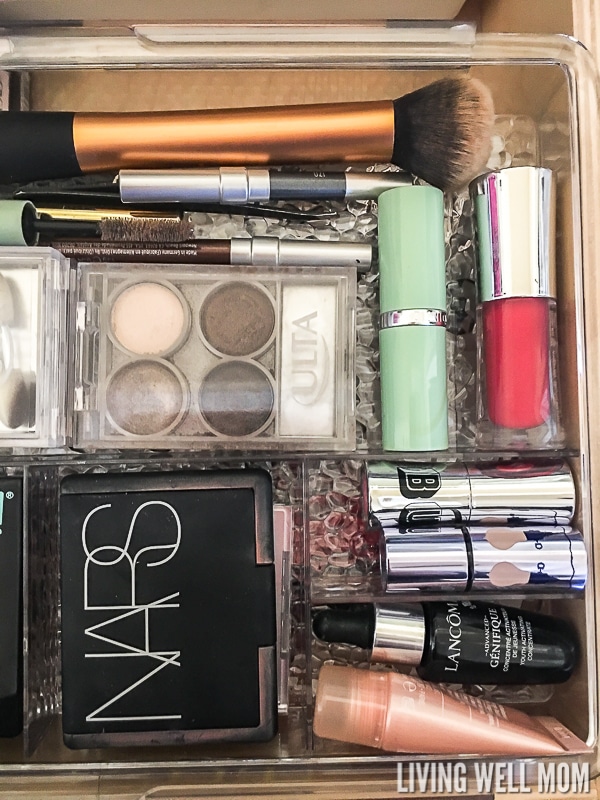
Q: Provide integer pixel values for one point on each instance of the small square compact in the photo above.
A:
(184, 357)
(168, 608)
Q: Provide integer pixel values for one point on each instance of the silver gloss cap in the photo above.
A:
(426, 558)
(515, 224)
(399, 635)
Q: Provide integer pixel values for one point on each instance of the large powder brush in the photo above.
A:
(440, 133)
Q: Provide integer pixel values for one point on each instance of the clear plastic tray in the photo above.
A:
(543, 87)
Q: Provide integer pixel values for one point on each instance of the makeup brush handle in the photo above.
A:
(323, 133)
(36, 145)
(40, 145)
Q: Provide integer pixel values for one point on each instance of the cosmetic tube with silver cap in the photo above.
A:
(412, 336)
(457, 641)
(512, 493)
(252, 185)
(495, 559)
(517, 381)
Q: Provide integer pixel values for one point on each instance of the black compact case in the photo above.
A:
(11, 630)
(168, 608)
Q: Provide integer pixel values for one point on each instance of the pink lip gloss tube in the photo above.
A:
(402, 714)
(516, 317)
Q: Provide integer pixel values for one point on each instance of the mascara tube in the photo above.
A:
(412, 335)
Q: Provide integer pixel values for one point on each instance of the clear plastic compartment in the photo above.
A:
(541, 87)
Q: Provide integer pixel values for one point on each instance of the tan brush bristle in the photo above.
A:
(145, 229)
(443, 131)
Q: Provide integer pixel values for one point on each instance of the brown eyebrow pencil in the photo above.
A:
(440, 133)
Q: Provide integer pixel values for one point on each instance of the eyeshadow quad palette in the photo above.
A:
(168, 608)
(187, 357)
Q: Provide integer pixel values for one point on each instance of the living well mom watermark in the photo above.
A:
(493, 777)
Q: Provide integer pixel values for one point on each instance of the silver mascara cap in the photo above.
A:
(399, 635)
(515, 226)
(433, 559)
(408, 494)
(269, 251)
(528, 559)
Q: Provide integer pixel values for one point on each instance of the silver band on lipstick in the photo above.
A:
(428, 317)
(223, 185)
(268, 251)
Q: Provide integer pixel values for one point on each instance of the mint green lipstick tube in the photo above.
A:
(412, 329)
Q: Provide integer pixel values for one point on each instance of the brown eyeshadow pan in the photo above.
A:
(236, 398)
(237, 319)
(145, 397)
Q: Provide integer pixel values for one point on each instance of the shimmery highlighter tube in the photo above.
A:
(516, 320)
(412, 336)
(402, 714)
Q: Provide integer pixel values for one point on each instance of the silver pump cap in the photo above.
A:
(399, 635)
(411, 495)
(515, 225)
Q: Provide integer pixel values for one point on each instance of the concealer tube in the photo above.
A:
(403, 714)
(494, 559)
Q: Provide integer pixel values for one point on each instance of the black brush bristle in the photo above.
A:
(442, 132)
(145, 229)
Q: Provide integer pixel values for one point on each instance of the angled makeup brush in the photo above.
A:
(440, 133)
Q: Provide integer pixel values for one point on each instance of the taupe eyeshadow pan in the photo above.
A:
(145, 397)
(236, 398)
(237, 319)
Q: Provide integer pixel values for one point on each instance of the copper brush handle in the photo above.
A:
(38, 145)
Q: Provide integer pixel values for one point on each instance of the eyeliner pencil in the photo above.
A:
(258, 251)
(243, 185)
